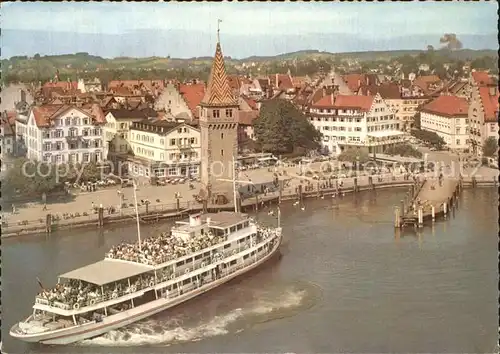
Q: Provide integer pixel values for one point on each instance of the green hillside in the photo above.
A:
(43, 68)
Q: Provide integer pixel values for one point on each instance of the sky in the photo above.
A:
(372, 21)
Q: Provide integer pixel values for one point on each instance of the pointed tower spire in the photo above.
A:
(218, 92)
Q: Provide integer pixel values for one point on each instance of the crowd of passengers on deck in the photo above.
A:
(154, 251)
(78, 294)
(161, 249)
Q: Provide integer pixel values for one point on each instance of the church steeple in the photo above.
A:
(218, 92)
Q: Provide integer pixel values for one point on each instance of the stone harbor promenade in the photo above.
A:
(164, 197)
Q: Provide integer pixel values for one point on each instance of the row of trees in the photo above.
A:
(429, 137)
(28, 179)
(405, 150)
(283, 129)
(490, 147)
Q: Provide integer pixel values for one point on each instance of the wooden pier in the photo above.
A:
(427, 200)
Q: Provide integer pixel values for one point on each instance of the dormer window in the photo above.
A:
(229, 113)
(216, 113)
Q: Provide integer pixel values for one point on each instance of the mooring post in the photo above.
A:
(48, 223)
(205, 206)
(445, 209)
(238, 201)
(397, 218)
(403, 208)
(256, 202)
(433, 213)
(473, 181)
(420, 217)
(370, 182)
(101, 216)
(355, 184)
(412, 191)
(280, 195)
(300, 193)
(178, 204)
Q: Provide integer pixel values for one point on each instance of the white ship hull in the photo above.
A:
(122, 319)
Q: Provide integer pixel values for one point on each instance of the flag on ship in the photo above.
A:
(40, 283)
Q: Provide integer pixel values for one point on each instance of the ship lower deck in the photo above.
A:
(51, 329)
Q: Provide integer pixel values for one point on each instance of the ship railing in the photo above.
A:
(43, 301)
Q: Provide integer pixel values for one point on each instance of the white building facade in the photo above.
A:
(355, 121)
(447, 116)
(62, 134)
(164, 149)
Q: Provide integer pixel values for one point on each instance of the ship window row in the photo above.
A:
(245, 239)
(200, 256)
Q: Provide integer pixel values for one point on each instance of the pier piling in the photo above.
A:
(48, 223)
(280, 196)
(433, 213)
(420, 218)
(397, 218)
(355, 184)
(100, 216)
(445, 209)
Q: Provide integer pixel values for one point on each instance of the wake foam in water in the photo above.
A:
(173, 330)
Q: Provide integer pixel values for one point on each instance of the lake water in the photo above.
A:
(346, 283)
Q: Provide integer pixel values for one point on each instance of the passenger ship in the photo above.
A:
(113, 293)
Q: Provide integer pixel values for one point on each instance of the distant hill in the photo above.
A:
(72, 65)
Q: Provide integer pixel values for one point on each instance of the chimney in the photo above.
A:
(324, 91)
(23, 96)
(493, 90)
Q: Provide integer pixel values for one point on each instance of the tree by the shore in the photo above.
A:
(354, 155)
(281, 128)
(429, 137)
(27, 179)
(405, 150)
(490, 146)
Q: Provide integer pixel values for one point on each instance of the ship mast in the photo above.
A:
(234, 181)
(137, 216)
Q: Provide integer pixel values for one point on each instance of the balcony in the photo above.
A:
(184, 145)
(73, 138)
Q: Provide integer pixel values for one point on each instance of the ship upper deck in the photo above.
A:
(107, 271)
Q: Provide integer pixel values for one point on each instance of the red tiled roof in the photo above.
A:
(481, 78)
(192, 94)
(121, 91)
(282, 81)
(363, 103)
(250, 102)
(354, 81)
(65, 85)
(131, 84)
(234, 82)
(47, 113)
(386, 91)
(490, 104)
(450, 106)
(11, 116)
(247, 117)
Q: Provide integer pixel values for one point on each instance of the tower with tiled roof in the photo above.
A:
(218, 125)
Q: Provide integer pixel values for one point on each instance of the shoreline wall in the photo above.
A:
(247, 205)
